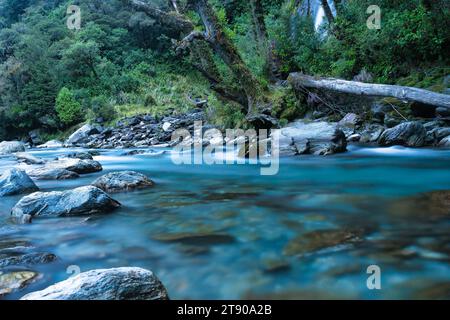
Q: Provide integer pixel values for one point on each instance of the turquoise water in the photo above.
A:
(236, 225)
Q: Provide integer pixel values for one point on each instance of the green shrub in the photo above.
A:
(68, 108)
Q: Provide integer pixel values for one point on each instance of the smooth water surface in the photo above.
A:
(221, 232)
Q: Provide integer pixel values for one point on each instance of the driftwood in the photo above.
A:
(299, 81)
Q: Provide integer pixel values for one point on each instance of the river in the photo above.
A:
(221, 232)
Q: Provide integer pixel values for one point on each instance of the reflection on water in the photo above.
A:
(226, 232)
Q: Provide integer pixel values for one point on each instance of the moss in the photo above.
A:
(286, 105)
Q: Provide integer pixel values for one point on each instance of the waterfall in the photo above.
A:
(315, 10)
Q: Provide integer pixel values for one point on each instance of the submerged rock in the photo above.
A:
(123, 181)
(14, 181)
(80, 201)
(8, 147)
(410, 134)
(16, 280)
(105, 284)
(194, 238)
(27, 259)
(321, 239)
(46, 173)
(28, 158)
(76, 165)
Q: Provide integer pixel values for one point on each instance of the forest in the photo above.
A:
(139, 57)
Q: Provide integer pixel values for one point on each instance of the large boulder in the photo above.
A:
(51, 144)
(81, 135)
(123, 181)
(351, 120)
(14, 181)
(8, 147)
(80, 201)
(46, 173)
(410, 134)
(320, 138)
(105, 284)
(76, 165)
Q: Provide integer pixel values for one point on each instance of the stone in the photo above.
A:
(45, 173)
(123, 181)
(27, 259)
(445, 143)
(35, 137)
(76, 165)
(12, 281)
(51, 144)
(371, 133)
(195, 238)
(80, 155)
(8, 147)
(105, 284)
(443, 112)
(410, 134)
(354, 137)
(28, 158)
(81, 135)
(351, 120)
(166, 126)
(14, 181)
(77, 202)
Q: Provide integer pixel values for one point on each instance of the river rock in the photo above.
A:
(79, 155)
(15, 280)
(35, 137)
(81, 135)
(351, 120)
(410, 134)
(123, 181)
(14, 181)
(80, 201)
(105, 284)
(27, 259)
(323, 137)
(8, 147)
(371, 133)
(28, 158)
(51, 144)
(443, 112)
(445, 143)
(45, 173)
(76, 165)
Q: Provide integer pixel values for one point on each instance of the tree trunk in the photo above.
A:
(299, 81)
(328, 12)
(265, 47)
(222, 45)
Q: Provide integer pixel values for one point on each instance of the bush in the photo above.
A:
(68, 108)
(102, 108)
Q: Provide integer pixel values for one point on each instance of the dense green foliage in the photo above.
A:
(121, 63)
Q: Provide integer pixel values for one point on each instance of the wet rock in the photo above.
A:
(391, 122)
(105, 284)
(133, 152)
(80, 201)
(321, 239)
(194, 238)
(12, 281)
(51, 144)
(410, 134)
(371, 133)
(276, 266)
(123, 181)
(35, 137)
(252, 150)
(82, 135)
(351, 120)
(354, 137)
(445, 143)
(8, 147)
(76, 165)
(322, 137)
(45, 173)
(27, 259)
(80, 155)
(443, 112)
(28, 158)
(14, 181)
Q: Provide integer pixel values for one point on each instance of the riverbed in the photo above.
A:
(226, 232)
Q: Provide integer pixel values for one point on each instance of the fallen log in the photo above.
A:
(299, 81)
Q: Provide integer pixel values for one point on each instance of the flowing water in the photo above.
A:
(225, 231)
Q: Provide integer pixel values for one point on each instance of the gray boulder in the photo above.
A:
(317, 138)
(76, 165)
(82, 135)
(445, 143)
(105, 284)
(14, 181)
(27, 259)
(80, 201)
(8, 147)
(123, 181)
(410, 134)
(46, 173)
(351, 120)
(51, 144)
